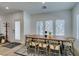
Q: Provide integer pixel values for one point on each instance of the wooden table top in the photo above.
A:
(58, 38)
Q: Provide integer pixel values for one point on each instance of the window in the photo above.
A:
(0, 25)
(77, 27)
(2, 28)
(40, 28)
(60, 24)
(17, 30)
(56, 28)
(49, 26)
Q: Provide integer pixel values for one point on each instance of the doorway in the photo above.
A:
(17, 30)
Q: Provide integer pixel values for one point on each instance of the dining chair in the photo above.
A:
(54, 47)
(32, 43)
(69, 45)
(42, 47)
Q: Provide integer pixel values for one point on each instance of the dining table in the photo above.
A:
(55, 38)
(61, 39)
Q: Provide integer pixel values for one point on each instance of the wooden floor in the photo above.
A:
(4, 51)
(8, 52)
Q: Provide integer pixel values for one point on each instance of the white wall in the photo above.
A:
(27, 24)
(11, 18)
(2, 24)
(66, 15)
(24, 19)
(75, 12)
(27, 20)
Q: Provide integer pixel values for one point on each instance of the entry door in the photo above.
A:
(17, 30)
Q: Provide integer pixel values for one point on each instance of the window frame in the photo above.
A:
(53, 26)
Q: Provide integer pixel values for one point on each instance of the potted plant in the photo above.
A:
(49, 34)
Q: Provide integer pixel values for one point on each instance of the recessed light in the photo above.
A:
(7, 8)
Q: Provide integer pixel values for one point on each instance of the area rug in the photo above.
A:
(11, 45)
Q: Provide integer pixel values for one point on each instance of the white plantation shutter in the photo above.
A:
(58, 29)
(49, 26)
(77, 32)
(40, 28)
(60, 24)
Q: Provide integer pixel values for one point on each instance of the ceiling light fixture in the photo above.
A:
(44, 7)
(7, 8)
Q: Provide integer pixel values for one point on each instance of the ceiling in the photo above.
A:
(35, 7)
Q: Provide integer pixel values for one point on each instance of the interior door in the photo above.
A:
(17, 30)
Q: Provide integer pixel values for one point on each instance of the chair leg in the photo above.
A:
(59, 53)
(46, 51)
(35, 50)
(49, 51)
